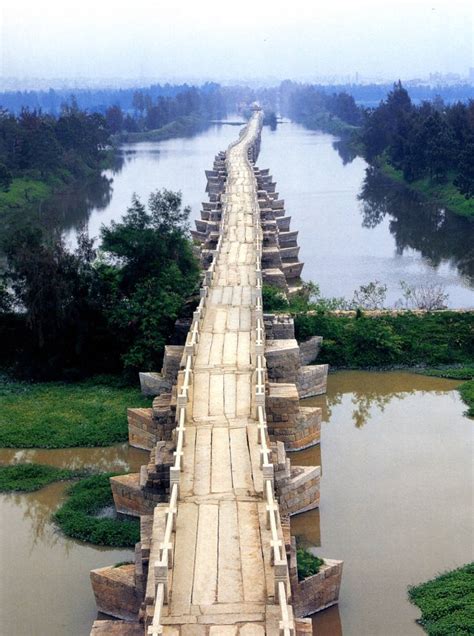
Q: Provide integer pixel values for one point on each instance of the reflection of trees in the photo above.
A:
(364, 402)
(425, 227)
(345, 151)
(72, 208)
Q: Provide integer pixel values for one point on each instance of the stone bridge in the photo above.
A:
(216, 555)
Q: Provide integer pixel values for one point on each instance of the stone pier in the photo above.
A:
(216, 496)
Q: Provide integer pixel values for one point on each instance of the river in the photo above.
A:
(396, 495)
(354, 226)
(396, 501)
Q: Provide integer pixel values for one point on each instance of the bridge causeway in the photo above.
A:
(213, 552)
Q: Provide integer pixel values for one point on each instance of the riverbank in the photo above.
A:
(181, 127)
(444, 194)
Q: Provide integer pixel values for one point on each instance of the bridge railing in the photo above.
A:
(278, 556)
(163, 565)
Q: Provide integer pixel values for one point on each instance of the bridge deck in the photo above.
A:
(222, 578)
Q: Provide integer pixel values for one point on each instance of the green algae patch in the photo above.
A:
(447, 603)
(80, 518)
(31, 477)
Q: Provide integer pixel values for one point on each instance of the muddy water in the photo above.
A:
(396, 495)
(45, 588)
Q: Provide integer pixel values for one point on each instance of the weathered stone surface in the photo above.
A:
(279, 327)
(283, 360)
(116, 628)
(316, 592)
(309, 349)
(154, 383)
(115, 592)
(130, 498)
(312, 380)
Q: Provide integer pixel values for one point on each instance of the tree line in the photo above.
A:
(39, 144)
(148, 113)
(432, 140)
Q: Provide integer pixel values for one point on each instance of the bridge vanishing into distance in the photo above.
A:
(216, 555)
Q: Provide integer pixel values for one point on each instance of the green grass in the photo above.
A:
(308, 564)
(447, 603)
(467, 393)
(23, 192)
(78, 519)
(466, 390)
(30, 477)
(444, 193)
(58, 415)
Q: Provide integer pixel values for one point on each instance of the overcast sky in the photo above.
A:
(240, 39)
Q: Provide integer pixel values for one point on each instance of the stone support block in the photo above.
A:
(309, 349)
(115, 592)
(312, 380)
(316, 592)
(154, 383)
(283, 360)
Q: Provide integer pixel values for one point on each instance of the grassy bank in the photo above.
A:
(382, 341)
(182, 127)
(445, 194)
(447, 603)
(328, 123)
(79, 516)
(58, 415)
(30, 477)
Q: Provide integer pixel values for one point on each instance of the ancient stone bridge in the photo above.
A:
(216, 555)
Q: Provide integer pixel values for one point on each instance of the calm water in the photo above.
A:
(354, 227)
(396, 495)
(45, 588)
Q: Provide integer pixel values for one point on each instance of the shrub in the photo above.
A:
(308, 564)
(77, 517)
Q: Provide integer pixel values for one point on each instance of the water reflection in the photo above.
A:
(345, 151)
(370, 393)
(55, 570)
(394, 492)
(72, 208)
(120, 458)
(417, 224)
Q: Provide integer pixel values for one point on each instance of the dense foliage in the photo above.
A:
(79, 516)
(404, 339)
(66, 315)
(433, 139)
(34, 143)
(56, 415)
(447, 603)
(30, 477)
(307, 563)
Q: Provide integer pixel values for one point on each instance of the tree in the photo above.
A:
(151, 272)
(114, 119)
(6, 178)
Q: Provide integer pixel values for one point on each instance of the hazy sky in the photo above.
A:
(240, 39)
